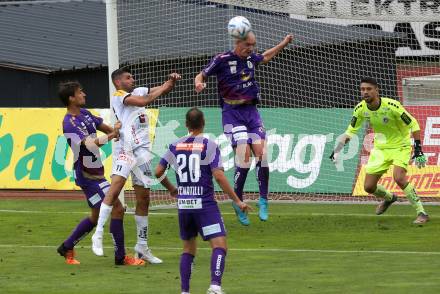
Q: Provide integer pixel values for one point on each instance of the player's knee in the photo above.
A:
(94, 219)
(400, 181)
(243, 161)
(370, 188)
(118, 210)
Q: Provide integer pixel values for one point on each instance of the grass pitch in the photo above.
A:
(303, 248)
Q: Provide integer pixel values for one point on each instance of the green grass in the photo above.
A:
(304, 248)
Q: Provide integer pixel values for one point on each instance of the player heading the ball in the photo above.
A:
(239, 95)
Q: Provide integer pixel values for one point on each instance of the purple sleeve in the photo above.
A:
(257, 58)
(212, 66)
(97, 120)
(167, 159)
(216, 159)
(73, 133)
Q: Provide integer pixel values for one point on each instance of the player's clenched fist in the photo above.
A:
(288, 39)
(174, 77)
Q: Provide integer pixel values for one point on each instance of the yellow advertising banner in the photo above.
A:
(34, 153)
(426, 181)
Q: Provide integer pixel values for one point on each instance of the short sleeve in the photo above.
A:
(96, 119)
(120, 96)
(215, 159)
(167, 159)
(212, 67)
(73, 132)
(257, 58)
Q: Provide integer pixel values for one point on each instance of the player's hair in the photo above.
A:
(195, 120)
(238, 40)
(66, 90)
(369, 81)
(119, 72)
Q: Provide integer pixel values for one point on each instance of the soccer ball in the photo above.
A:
(239, 27)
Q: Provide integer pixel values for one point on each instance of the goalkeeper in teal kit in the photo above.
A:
(392, 126)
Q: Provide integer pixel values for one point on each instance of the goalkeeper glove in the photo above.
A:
(419, 157)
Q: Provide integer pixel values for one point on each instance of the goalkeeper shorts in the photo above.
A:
(381, 159)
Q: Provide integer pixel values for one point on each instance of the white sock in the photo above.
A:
(104, 213)
(215, 287)
(142, 229)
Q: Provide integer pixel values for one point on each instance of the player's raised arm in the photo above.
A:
(272, 52)
(148, 96)
(222, 181)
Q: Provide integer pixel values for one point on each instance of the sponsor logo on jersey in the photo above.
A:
(189, 203)
(245, 76)
(190, 146)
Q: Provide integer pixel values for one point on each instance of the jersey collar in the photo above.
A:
(380, 104)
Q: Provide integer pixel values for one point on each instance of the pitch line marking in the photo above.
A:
(224, 213)
(279, 250)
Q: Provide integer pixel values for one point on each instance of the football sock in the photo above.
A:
(262, 178)
(81, 230)
(411, 194)
(217, 265)
(117, 231)
(142, 229)
(239, 180)
(104, 214)
(381, 192)
(186, 263)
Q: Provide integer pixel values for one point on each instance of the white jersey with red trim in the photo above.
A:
(135, 131)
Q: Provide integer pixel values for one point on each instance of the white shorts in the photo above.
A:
(137, 163)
